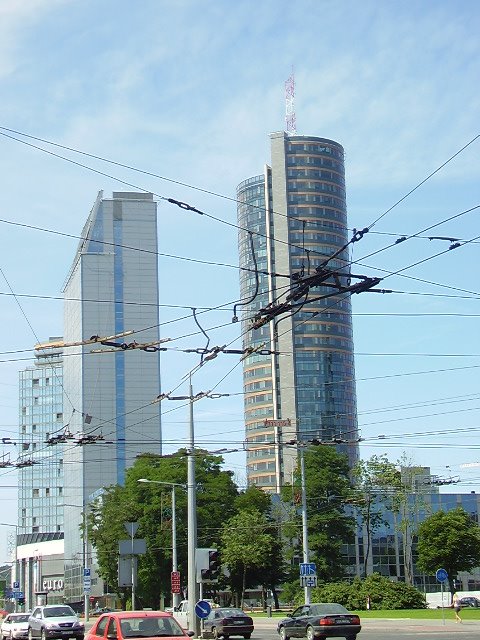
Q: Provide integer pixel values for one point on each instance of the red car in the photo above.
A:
(123, 625)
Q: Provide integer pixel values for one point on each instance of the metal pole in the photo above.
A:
(191, 523)
(86, 599)
(304, 518)
(175, 596)
(133, 575)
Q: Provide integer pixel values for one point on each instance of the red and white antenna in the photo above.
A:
(290, 119)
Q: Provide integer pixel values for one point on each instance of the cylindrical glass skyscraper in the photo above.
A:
(291, 219)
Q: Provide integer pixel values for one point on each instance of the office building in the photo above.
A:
(296, 213)
(112, 288)
(39, 550)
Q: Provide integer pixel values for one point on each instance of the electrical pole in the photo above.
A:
(304, 518)
(191, 522)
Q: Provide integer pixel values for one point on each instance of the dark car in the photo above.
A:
(320, 620)
(123, 625)
(469, 601)
(55, 621)
(227, 621)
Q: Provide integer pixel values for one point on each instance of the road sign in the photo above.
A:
(87, 580)
(131, 528)
(126, 548)
(308, 581)
(202, 609)
(175, 581)
(16, 586)
(18, 594)
(441, 575)
(308, 569)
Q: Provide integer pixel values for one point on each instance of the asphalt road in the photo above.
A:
(384, 629)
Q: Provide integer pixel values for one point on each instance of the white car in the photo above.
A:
(15, 625)
(54, 621)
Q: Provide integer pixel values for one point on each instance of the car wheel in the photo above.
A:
(30, 634)
(283, 634)
(310, 633)
(43, 635)
(215, 633)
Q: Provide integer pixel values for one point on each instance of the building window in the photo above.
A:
(47, 491)
(60, 491)
(59, 416)
(36, 493)
(47, 382)
(24, 428)
(35, 529)
(34, 427)
(35, 400)
(35, 382)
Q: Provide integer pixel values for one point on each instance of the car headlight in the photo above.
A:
(78, 624)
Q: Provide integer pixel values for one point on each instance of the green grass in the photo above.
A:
(418, 614)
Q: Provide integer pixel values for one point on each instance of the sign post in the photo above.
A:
(442, 576)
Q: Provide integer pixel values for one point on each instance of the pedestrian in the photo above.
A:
(456, 606)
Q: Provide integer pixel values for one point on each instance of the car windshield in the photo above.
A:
(18, 618)
(326, 608)
(58, 612)
(150, 627)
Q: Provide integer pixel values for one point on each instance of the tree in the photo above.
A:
(246, 543)
(376, 479)
(448, 540)
(328, 489)
(150, 505)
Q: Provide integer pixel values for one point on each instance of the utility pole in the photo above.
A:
(304, 518)
(191, 522)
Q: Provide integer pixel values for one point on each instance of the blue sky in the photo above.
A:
(190, 90)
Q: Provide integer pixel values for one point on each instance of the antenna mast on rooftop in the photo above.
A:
(290, 119)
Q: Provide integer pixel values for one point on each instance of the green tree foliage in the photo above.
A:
(448, 540)
(328, 488)
(247, 543)
(377, 481)
(381, 593)
(150, 505)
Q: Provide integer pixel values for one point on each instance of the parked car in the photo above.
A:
(54, 621)
(320, 620)
(224, 622)
(136, 624)
(99, 610)
(14, 625)
(469, 601)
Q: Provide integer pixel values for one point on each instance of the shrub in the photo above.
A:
(382, 592)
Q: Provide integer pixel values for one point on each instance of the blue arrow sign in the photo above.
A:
(202, 609)
(441, 575)
(308, 569)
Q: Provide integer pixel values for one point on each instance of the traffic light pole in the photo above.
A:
(304, 519)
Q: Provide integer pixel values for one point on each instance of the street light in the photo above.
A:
(175, 596)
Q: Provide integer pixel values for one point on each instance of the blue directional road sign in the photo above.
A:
(202, 609)
(308, 569)
(441, 575)
(18, 594)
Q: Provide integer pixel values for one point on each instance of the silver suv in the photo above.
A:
(54, 621)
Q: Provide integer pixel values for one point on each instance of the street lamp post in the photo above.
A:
(175, 596)
(15, 567)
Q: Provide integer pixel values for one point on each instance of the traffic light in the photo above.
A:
(213, 564)
(21, 601)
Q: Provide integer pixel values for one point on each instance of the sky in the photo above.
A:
(190, 91)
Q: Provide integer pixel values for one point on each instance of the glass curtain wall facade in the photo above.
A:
(40, 485)
(112, 288)
(295, 215)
